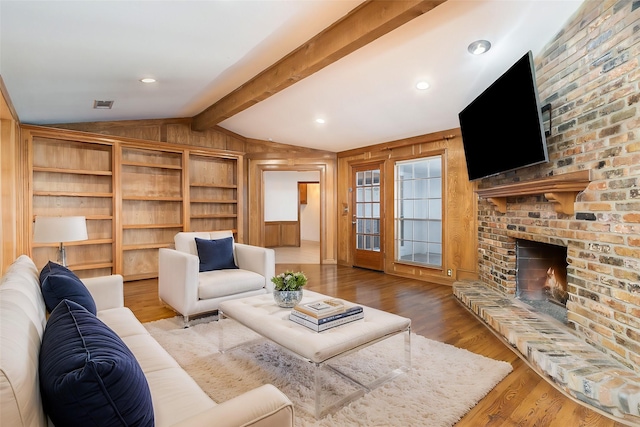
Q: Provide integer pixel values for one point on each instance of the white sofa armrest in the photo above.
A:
(107, 291)
(178, 279)
(265, 406)
(257, 259)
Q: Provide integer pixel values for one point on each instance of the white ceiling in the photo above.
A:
(57, 57)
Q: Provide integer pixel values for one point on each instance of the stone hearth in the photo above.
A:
(576, 367)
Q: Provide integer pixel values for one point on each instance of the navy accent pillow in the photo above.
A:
(88, 376)
(58, 283)
(215, 254)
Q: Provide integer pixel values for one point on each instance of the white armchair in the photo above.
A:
(190, 292)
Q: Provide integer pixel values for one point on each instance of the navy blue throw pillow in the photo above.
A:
(58, 283)
(215, 254)
(88, 376)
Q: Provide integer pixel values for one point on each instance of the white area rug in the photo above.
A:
(444, 383)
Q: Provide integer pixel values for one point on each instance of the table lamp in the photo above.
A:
(60, 229)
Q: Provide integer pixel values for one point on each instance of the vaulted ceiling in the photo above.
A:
(267, 69)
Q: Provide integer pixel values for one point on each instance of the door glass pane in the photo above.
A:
(376, 177)
(418, 211)
(367, 195)
(376, 194)
(368, 210)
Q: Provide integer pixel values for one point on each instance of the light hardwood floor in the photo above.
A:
(523, 398)
(307, 253)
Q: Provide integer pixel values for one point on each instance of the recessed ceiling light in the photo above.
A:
(479, 47)
(422, 85)
(148, 80)
(321, 121)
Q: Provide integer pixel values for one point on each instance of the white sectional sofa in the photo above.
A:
(177, 399)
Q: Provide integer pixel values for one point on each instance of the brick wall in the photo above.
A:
(591, 76)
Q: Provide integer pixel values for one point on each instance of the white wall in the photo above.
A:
(281, 194)
(310, 215)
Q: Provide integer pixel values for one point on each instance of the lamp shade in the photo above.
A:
(58, 229)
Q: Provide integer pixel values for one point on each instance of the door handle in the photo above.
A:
(353, 221)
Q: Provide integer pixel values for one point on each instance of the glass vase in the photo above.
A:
(287, 299)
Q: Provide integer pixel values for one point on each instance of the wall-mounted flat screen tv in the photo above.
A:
(502, 129)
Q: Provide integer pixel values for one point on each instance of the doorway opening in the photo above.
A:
(291, 207)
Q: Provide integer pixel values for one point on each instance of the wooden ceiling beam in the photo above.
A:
(369, 21)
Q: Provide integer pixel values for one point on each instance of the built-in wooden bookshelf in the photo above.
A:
(213, 193)
(151, 191)
(136, 195)
(70, 178)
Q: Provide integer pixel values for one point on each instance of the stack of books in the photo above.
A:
(326, 314)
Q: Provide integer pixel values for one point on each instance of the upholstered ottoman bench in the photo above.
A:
(263, 316)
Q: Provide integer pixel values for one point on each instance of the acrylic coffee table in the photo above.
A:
(321, 349)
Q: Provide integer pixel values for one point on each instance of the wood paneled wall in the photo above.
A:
(459, 221)
(460, 227)
(281, 233)
(11, 173)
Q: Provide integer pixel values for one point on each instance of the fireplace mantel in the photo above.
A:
(560, 189)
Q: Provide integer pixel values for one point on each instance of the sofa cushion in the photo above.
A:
(88, 376)
(215, 254)
(177, 398)
(22, 323)
(221, 283)
(58, 283)
(122, 321)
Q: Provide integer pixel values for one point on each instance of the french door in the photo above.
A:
(368, 213)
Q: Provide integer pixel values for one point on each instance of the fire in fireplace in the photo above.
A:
(541, 277)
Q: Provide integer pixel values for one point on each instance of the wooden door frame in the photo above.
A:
(328, 210)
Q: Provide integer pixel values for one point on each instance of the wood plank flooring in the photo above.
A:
(523, 398)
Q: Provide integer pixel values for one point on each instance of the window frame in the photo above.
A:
(397, 238)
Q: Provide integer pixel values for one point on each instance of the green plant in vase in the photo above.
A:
(288, 288)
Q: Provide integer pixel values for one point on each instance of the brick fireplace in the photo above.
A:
(590, 74)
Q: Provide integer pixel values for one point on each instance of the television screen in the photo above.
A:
(502, 128)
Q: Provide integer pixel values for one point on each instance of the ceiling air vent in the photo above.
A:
(102, 105)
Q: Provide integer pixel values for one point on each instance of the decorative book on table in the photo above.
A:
(325, 314)
(322, 308)
(319, 327)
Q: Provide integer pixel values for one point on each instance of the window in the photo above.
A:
(418, 211)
